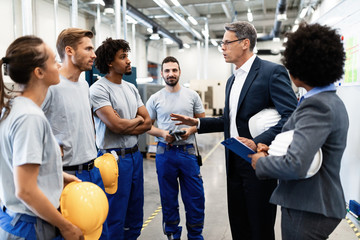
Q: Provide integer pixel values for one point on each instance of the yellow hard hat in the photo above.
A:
(109, 171)
(86, 206)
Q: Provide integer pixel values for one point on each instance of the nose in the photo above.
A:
(93, 55)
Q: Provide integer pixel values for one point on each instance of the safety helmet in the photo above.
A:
(263, 120)
(109, 171)
(85, 205)
(280, 145)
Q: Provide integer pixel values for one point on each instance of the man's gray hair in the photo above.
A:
(243, 29)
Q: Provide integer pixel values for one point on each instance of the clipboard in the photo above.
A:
(238, 148)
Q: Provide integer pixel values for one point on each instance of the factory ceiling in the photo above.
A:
(188, 21)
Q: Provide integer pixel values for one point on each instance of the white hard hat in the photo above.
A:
(263, 120)
(281, 143)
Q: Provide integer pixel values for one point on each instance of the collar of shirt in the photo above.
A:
(246, 66)
(316, 90)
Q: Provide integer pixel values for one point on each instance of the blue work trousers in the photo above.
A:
(23, 226)
(125, 217)
(178, 165)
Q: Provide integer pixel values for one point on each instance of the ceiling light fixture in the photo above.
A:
(205, 33)
(276, 39)
(193, 20)
(304, 12)
(250, 15)
(155, 36)
(281, 17)
(101, 2)
(214, 42)
(176, 3)
(186, 45)
(294, 28)
(168, 41)
(109, 11)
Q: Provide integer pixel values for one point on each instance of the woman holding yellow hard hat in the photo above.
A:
(31, 177)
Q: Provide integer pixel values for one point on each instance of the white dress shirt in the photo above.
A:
(240, 77)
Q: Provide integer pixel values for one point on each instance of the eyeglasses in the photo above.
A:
(228, 42)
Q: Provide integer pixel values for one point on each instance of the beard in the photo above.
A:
(128, 73)
(81, 64)
(171, 84)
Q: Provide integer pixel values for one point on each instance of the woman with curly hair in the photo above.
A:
(312, 206)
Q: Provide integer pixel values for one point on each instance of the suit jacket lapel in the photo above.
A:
(227, 95)
(249, 79)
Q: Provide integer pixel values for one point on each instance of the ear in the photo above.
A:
(38, 73)
(69, 50)
(246, 43)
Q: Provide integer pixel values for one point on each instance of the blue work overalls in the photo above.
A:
(177, 164)
(125, 217)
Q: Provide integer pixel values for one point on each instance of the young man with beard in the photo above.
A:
(120, 116)
(176, 162)
(67, 107)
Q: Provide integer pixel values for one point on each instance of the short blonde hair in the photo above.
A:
(71, 37)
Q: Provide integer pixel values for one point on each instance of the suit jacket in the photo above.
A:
(319, 121)
(267, 85)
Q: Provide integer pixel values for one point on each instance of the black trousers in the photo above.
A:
(300, 225)
(251, 215)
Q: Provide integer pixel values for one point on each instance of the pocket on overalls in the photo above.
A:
(160, 150)
(191, 151)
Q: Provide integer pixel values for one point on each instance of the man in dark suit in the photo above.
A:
(255, 85)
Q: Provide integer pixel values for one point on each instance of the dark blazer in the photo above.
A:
(267, 85)
(319, 121)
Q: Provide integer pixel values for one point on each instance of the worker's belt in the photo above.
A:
(122, 151)
(86, 166)
(183, 147)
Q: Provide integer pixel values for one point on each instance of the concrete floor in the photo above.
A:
(216, 218)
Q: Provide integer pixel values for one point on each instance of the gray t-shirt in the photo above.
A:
(124, 98)
(26, 138)
(161, 104)
(67, 107)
